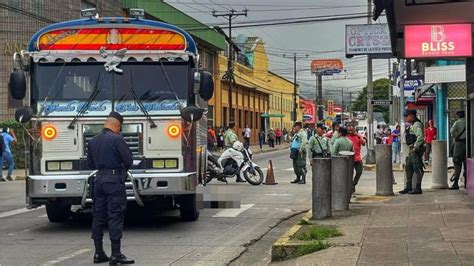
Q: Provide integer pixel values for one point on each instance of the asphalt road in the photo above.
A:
(218, 237)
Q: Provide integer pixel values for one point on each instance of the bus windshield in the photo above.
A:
(62, 89)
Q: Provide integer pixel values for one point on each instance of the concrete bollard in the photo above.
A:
(340, 182)
(321, 188)
(440, 164)
(383, 169)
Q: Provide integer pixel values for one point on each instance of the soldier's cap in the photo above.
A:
(461, 114)
(231, 124)
(343, 131)
(409, 112)
(117, 116)
(320, 125)
(298, 124)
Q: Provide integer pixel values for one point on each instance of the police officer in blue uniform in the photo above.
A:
(109, 154)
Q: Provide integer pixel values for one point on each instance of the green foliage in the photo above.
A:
(318, 233)
(309, 248)
(304, 222)
(17, 148)
(381, 92)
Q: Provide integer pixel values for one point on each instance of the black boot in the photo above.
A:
(455, 185)
(303, 180)
(296, 181)
(417, 190)
(99, 255)
(405, 191)
(117, 256)
(239, 179)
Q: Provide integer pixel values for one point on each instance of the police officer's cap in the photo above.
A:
(461, 114)
(320, 125)
(409, 112)
(231, 124)
(300, 124)
(117, 116)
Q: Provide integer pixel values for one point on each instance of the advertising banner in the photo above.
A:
(438, 41)
(368, 39)
(309, 112)
(326, 67)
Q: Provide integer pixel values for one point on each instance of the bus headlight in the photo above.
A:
(165, 163)
(66, 165)
(59, 166)
(53, 166)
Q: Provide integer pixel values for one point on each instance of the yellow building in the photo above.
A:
(260, 99)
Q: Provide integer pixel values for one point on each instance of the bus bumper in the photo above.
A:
(147, 184)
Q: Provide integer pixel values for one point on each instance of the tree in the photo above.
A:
(381, 91)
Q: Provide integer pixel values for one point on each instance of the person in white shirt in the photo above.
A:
(247, 134)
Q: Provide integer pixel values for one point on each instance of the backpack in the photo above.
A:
(2, 144)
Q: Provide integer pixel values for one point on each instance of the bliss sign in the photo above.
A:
(450, 40)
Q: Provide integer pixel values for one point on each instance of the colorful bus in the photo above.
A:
(75, 73)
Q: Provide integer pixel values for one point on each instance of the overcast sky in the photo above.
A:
(312, 39)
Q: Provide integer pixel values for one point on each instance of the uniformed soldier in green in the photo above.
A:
(318, 146)
(299, 142)
(229, 136)
(342, 143)
(458, 133)
(415, 140)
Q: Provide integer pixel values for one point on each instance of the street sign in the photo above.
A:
(381, 102)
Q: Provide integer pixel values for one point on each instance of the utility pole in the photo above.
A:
(350, 106)
(319, 96)
(294, 115)
(370, 95)
(281, 110)
(229, 75)
(342, 107)
(402, 102)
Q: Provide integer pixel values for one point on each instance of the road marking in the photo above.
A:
(63, 258)
(278, 195)
(289, 169)
(233, 212)
(18, 211)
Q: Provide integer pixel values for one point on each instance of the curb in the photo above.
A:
(371, 167)
(282, 246)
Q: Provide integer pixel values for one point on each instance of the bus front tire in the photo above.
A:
(188, 208)
(58, 212)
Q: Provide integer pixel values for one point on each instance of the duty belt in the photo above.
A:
(109, 172)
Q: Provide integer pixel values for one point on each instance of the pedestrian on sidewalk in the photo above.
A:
(318, 146)
(357, 142)
(430, 135)
(285, 134)
(396, 144)
(415, 139)
(299, 143)
(220, 139)
(211, 138)
(8, 135)
(458, 133)
(261, 138)
(341, 143)
(246, 134)
(278, 135)
(271, 138)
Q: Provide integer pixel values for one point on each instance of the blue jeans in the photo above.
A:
(11, 163)
(260, 142)
(395, 151)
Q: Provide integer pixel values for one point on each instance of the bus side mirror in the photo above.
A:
(24, 114)
(192, 113)
(17, 84)
(206, 86)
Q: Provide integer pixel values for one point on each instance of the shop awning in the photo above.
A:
(272, 115)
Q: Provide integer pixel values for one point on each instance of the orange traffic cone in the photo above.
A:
(270, 179)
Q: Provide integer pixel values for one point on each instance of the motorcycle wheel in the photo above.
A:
(209, 174)
(254, 178)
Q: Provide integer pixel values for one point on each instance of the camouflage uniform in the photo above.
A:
(414, 161)
(458, 132)
(299, 164)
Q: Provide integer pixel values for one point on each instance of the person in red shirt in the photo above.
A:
(211, 138)
(357, 142)
(430, 135)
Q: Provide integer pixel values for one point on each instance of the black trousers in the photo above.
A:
(109, 208)
(358, 167)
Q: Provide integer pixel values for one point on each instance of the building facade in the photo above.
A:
(260, 99)
(20, 19)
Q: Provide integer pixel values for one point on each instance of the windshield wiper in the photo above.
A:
(87, 104)
(140, 103)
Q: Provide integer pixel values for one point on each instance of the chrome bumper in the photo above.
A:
(145, 184)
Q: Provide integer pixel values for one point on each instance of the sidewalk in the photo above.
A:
(256, 148)
(436, 228)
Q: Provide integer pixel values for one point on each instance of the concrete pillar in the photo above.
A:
(321, 188)
(440, 164)
(340, 183)
(384, 171)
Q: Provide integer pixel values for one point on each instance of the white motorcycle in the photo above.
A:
(234, 161)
